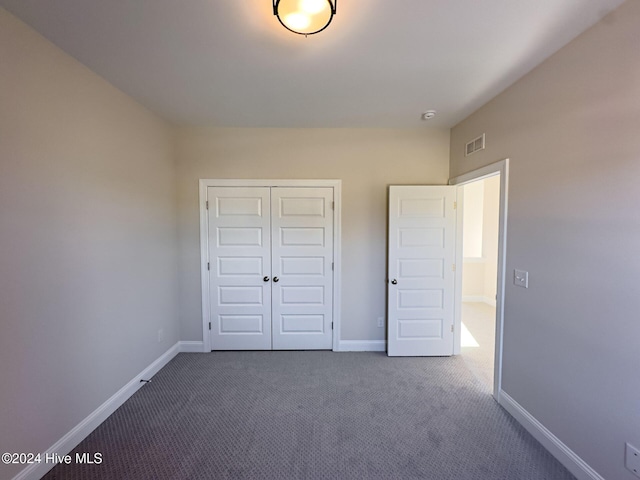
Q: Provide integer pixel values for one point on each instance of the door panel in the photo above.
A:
(302, 266)
(302, 323)
(302, 232)
(421, 257)
(236, 266)
(240, 258)
(241, 323)
(301, 237)
(239, 296)
(243, 236)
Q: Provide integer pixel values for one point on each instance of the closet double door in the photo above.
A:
(270, 268)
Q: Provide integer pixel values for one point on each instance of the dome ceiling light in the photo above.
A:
(305, 17)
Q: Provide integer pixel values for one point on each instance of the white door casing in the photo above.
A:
(422, 243)
(302, 256)
(244, 251)
(502, 168)
(240, 267)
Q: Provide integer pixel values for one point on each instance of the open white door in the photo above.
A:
(422, 239)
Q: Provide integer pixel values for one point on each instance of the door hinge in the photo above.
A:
(451, 328)
(207, 204)
(455, 205)
(453, 267)
(209, 325)
(208, 266)
(331, 266)
(331, 325)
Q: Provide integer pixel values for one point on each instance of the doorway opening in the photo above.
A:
(479, 296)
(480, 220)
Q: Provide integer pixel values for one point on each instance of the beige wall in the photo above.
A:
(472, 280)
(88, 234)
(490, 232)
(366, 161)
(479, 275)
(570, 128)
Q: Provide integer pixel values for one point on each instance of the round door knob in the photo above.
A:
(276, 279)
(266, 279)
(394, 282)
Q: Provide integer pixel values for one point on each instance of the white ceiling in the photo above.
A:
(379, 64)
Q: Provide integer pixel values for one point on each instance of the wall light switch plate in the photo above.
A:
(380, 322)
(632, 459)
(521, 278)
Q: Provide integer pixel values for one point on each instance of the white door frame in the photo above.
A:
(204, 243)
(501, 167)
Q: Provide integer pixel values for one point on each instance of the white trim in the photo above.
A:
(190, 346)
(204, 274)
(479, 299)
(78, 433)
(362, 346)
(459, 261)
(501, 167)
(480, 173)
(241, 182)
(337, 259)
(567, 457)
(337, 243)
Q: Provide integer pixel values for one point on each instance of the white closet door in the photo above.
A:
(422, 229)
(302, 248)
(240, 267)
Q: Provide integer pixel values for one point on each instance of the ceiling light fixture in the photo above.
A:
(305, 17)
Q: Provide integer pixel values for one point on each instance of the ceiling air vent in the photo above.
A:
(474, 145)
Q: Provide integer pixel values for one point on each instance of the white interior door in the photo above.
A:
(270, 268)
(302, 256)
(240, 267)
(422, 230)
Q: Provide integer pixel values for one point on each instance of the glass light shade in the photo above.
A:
(297, 21)
(313, 6)
(305, 17)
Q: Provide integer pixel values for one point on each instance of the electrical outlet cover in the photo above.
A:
(521, 278)
(632, 459)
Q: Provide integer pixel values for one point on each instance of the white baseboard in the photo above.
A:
(191, 346)
(343, 346)
(78, 433)
(362, 346)
(479, 299)
(473, 298)
(489, 301)
(567, 457)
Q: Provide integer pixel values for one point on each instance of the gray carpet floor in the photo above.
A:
(312, 415)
